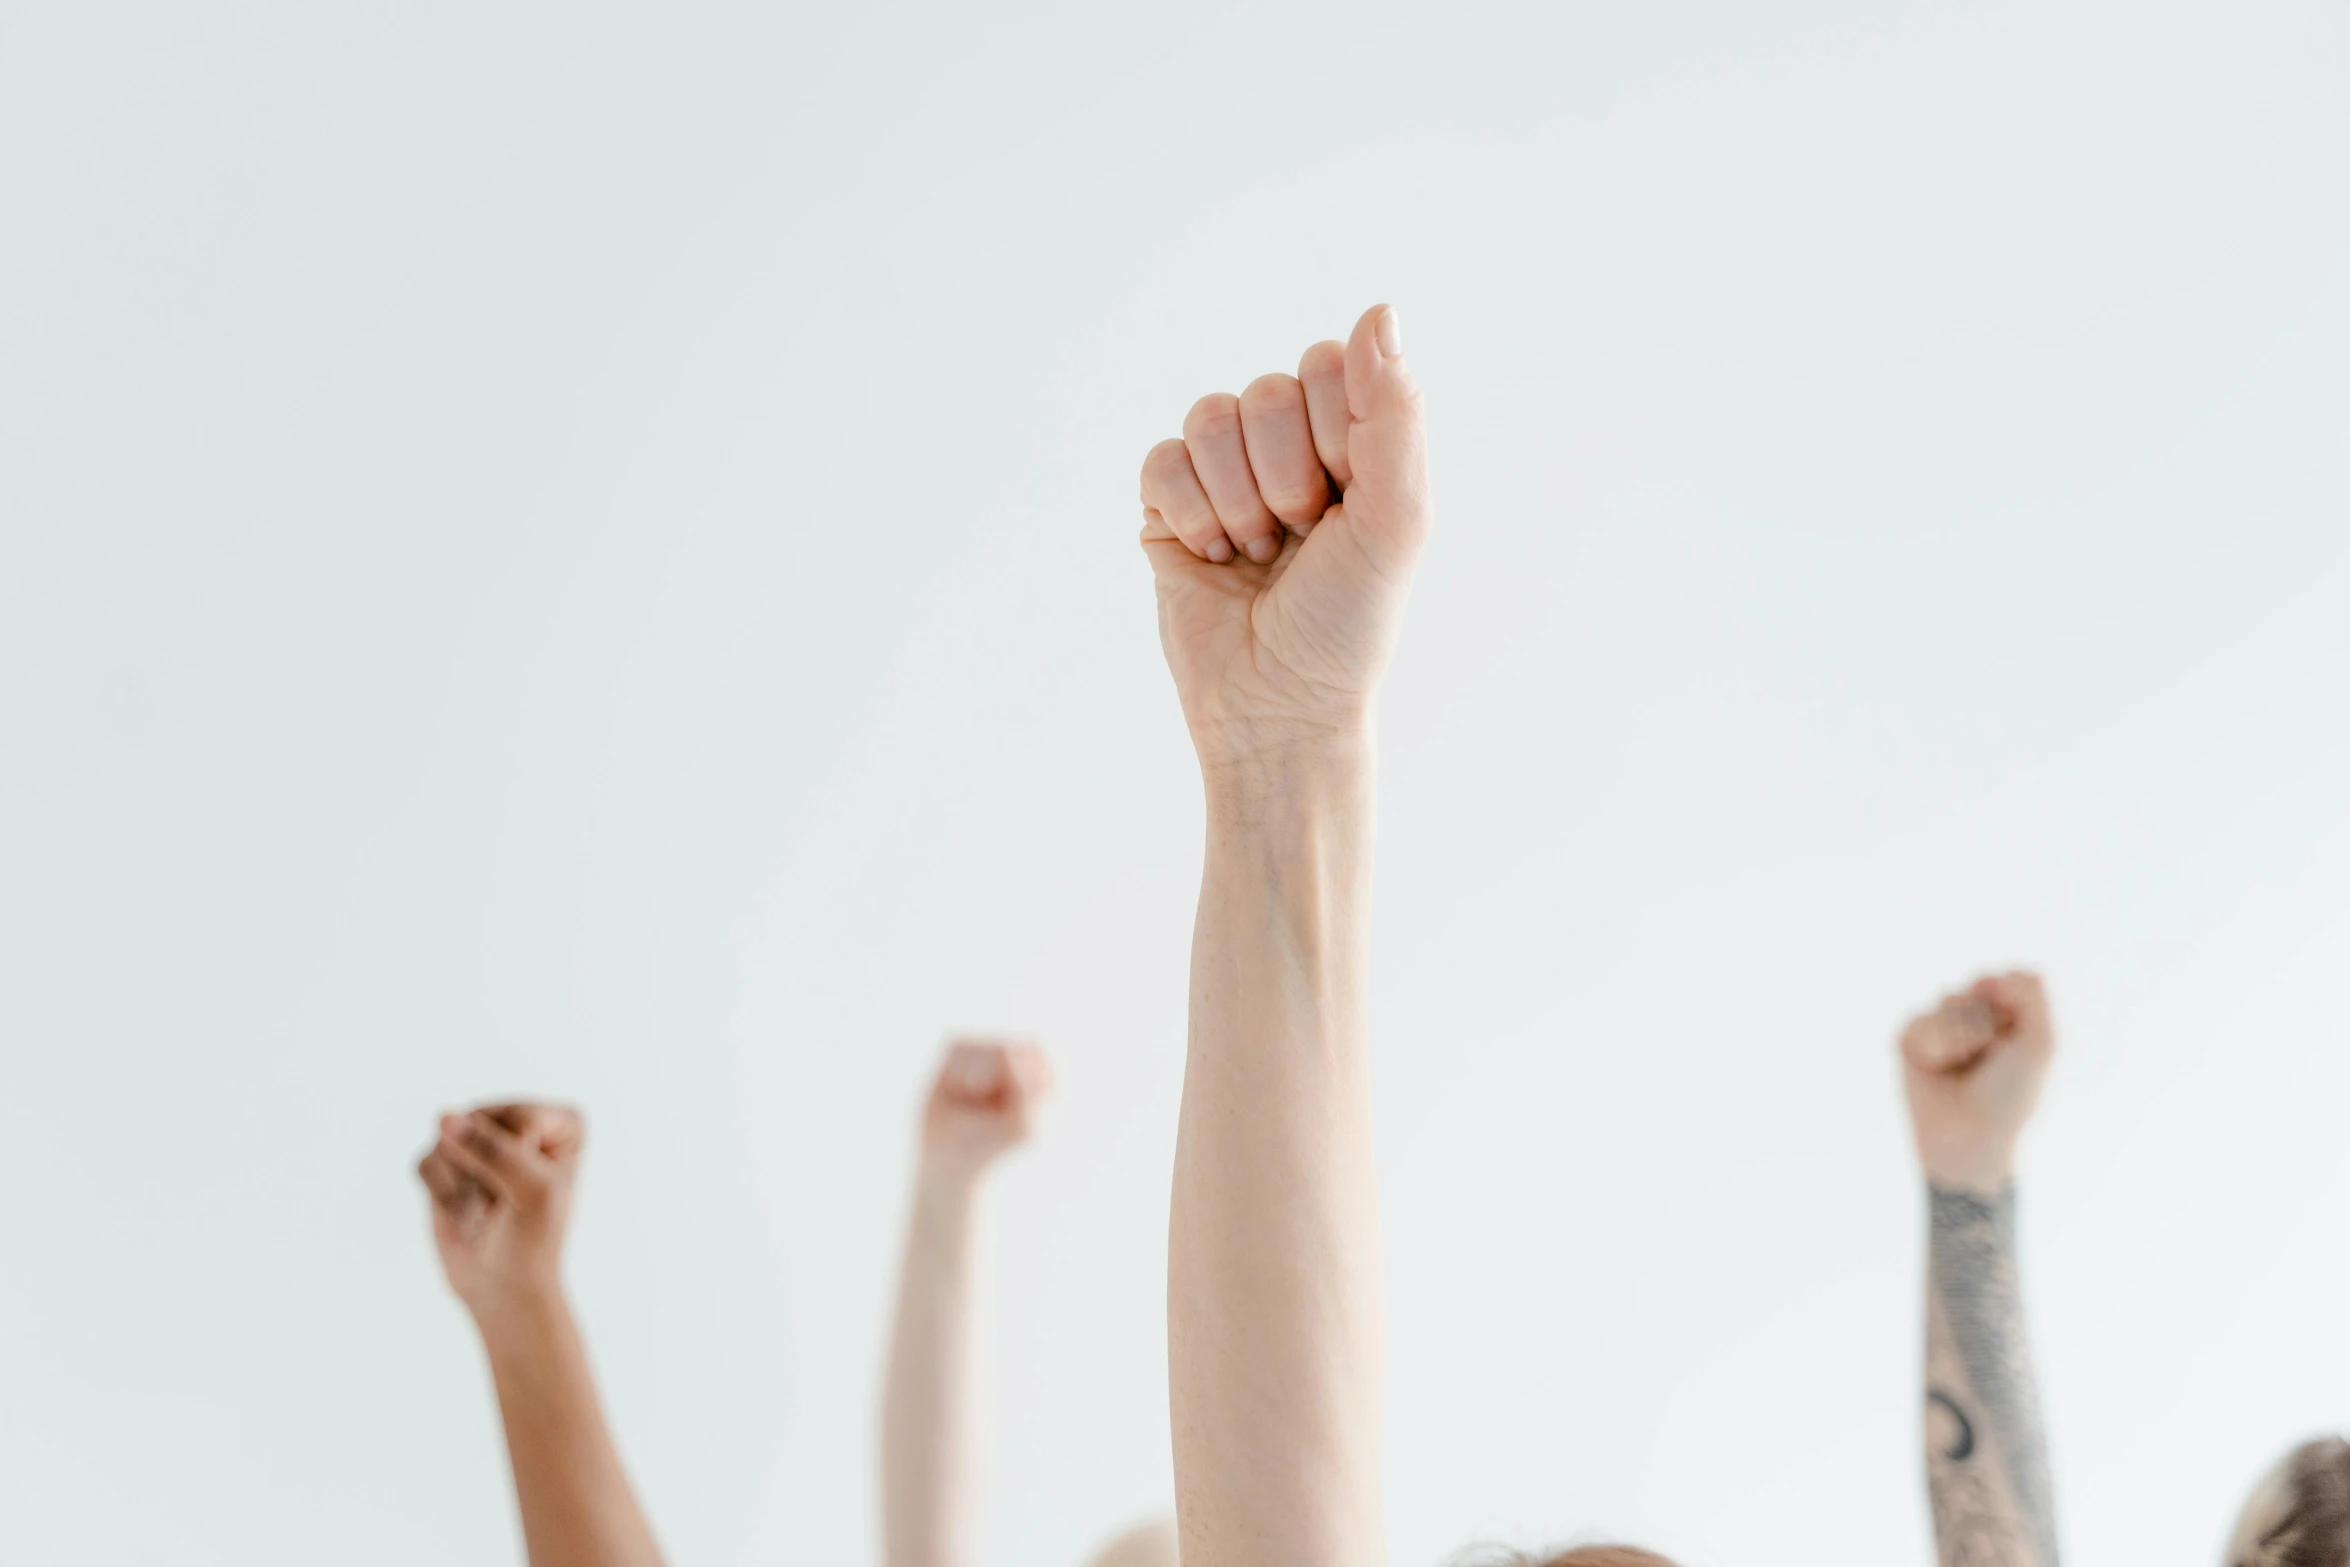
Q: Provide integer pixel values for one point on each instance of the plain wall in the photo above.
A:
(588, 550)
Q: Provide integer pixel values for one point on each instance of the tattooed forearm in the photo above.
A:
(1986, 1458)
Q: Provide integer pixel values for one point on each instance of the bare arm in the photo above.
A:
(578, 1509)
(932, 1427)
(931, 1433)
(1274, 1309)
(1277, 611)
(1973, 1068)
(501, 1182)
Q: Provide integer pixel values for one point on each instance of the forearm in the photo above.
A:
(930, 1417)
(1274, 1318)
(578, 1509)
(1986, 1455)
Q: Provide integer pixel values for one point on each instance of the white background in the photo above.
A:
(587, 549)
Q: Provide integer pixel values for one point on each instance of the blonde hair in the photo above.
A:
(1580, 1556)
(1150, 1543)
(2299, 1514)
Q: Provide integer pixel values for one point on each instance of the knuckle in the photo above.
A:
(1292, 499)
(1272, 393)
(1215, 415)
(1161, 463)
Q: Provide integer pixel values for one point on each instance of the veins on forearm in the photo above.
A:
(1987, 1457)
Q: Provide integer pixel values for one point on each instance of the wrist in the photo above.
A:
(1241, 735)
(949, 1177)
(1984, 1172)
(1295, 774)
(517, 1317)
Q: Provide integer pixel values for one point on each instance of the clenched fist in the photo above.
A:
(501, 1181)
(1282, 530)
(984, 1102)
(1973, 1068)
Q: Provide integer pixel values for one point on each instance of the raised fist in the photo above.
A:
(1973, 1068)
(984, 1102)
(1282, 530)
(501, 1180)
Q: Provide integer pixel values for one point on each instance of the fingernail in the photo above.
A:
(1390, 332)
(1263, 549)
(1220, 550)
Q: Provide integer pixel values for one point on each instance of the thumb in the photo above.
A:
(973, 1069)
(2021, 1001)
(1949, 1040)
(1386, 440)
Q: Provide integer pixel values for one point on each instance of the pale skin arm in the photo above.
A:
(501, 1180)
(1278, 609)
(1274, 1311)
(1972, 1068)
(983, 1104)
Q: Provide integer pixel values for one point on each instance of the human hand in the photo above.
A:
(1282, 530)
(501, 1181)
(984, 1102)
(1973, 1068)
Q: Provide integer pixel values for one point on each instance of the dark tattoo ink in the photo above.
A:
(1972, 1269)
(1974, 1525)
(1962, 1442)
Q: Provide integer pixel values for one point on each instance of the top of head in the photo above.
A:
(1580, 1556)
(2299, 1514)
(1150, 1544)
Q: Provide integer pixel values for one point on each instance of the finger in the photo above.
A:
(973, 1070)
(1928, 1048)
(1280, 442)
(2020, 1001)
(1170, 556)
(1172, 490)
(467, 1160)
(1219, 455)
(1030, 1074)
(512, 1160)
(1386, 441)
(1945, 1040)
(556, 1131)
(1969, 1019)
(441, 1179)
(1321, 375)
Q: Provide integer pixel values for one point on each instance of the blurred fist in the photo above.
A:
(1282, 529)
(1973, 1068)
(984, 1103)
(501, 1180)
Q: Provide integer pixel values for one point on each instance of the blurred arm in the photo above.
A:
(501, 1180)
(1986, 1456)
(931, 1433)
(578, 1509)
(1972, 1070)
